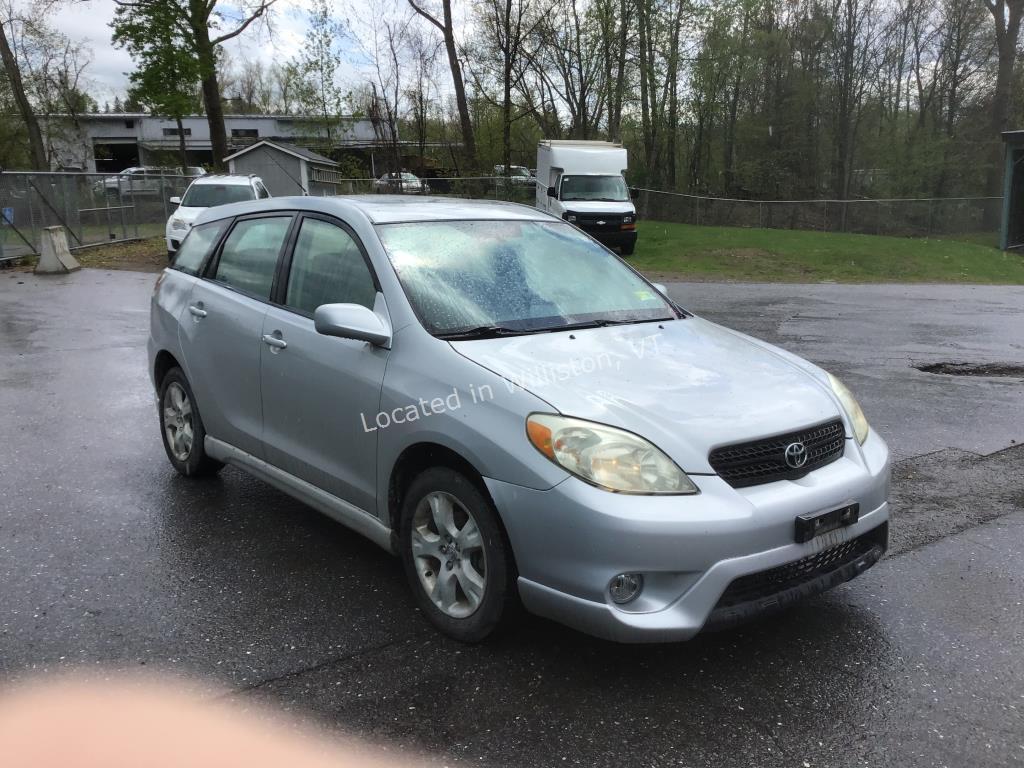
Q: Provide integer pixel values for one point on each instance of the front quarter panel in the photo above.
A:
(432, 394)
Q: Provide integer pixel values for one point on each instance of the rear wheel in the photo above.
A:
(181, 428)
(455, 555)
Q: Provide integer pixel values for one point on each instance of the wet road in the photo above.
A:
(107, 557)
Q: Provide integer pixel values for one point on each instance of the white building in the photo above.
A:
(108, 143)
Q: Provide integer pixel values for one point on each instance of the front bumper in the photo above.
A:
(613, 239)
(571, 540)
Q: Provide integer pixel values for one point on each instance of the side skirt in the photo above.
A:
(349, 515)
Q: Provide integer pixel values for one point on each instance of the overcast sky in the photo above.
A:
(90, 22)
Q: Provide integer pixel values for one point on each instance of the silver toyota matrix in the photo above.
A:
(494, 397)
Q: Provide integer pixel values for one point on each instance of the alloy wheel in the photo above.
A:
(448, 553)
(178, 421)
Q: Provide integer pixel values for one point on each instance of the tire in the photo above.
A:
(181, 428)
(627, 250)
(478, 569)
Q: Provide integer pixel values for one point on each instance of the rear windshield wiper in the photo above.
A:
(481, 332)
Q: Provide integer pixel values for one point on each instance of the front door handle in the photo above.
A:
(197, 310)
(274, 341)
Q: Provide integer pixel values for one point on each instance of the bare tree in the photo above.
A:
(446, 26)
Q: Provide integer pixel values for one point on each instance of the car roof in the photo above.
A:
(388, 209)
(223, 178)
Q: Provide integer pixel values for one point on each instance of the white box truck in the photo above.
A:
(583, 183)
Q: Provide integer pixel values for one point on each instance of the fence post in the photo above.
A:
(878, 218)
(760, 215)
(32, 217)
(163, 196)
(135, 205)
(824, 216)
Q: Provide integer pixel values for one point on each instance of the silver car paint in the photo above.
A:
(702, 386)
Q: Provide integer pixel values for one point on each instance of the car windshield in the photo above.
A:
(210, 195)
(610, 188)
(491, 277)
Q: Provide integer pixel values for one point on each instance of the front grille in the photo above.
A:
(591, 222)
(764, 461)
(758, 586)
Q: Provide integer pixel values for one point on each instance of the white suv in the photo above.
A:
(207, 192)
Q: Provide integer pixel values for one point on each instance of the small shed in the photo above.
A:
(1011, 234)
(285, 168)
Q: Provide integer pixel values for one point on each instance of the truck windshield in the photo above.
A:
(481, 278)
(610, 188)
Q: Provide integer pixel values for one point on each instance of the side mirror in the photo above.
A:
(352, 321)
(634, 193)
(552, 192)
(174, 200)
(661, 288)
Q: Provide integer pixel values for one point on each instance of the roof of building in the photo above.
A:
(289, 149)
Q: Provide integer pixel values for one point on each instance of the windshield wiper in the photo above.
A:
(604, 324)
(482, 332)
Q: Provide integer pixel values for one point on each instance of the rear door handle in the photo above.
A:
(197, 310)
(274, 341)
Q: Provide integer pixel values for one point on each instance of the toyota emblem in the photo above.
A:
(796, 455)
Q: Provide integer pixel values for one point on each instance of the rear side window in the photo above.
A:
(249, 255)
(261, 191)
(197, 246)
(327, 268)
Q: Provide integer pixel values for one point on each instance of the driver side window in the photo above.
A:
(327, 268)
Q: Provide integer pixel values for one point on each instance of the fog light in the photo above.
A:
(625, 587)
(570, 217)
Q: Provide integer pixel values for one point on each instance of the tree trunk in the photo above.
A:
(37, 151)
(211, 96)
(447, 29)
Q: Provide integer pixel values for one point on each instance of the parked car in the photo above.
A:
(208, 191)
(142, 181)
(401, 182)
(510, 424)
(519, 175)
(192, 171)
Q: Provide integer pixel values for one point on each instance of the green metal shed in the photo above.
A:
(1011, 234)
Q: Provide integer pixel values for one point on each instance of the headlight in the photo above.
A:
(607, 457)
(570, 217)
(852, 408)
(178, 224)
(627, 219)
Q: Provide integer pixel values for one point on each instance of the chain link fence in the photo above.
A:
(902, 217)
(515, 189)
(97, 208)
(93, 208)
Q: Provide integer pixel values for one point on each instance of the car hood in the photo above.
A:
(188, 215)
(688, 385)
(598, 206)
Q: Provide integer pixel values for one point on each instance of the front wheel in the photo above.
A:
(181, 428)
(455, 555)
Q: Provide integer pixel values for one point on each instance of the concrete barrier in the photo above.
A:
(54, 256)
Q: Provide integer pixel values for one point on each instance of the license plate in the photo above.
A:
(817, 523)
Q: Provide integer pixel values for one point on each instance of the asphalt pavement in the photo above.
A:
(108, 559)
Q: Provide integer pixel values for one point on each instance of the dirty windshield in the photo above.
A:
(514, 277)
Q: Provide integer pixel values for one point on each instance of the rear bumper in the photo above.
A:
(571, 540)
